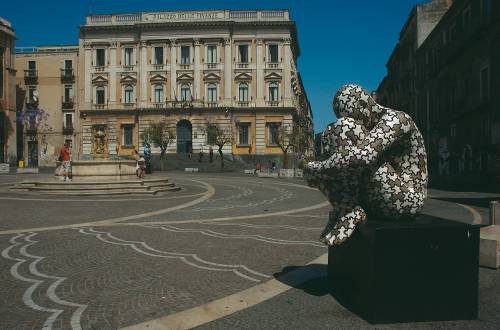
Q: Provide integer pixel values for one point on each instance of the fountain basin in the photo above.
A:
(103, 169)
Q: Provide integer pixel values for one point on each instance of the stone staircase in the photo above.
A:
(149, 187)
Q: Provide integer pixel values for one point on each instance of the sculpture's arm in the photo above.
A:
(389, 129)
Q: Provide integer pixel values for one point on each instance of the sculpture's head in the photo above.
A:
(355, 102)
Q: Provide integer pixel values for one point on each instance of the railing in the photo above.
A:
(68, 130)
(100, 106)
(242, 65)
(99, 68)
(211, 65)
(272, 13)
(273, 103)
(212, 104)
(243, 14)
(243, 104)
(158, 67)
(159, 105)
(31, 76)
(179, 104)
(128, 105)
(272, 65)
(67, 75)
(128, 67)
(128, 18)
(67, 104)
(185, 66)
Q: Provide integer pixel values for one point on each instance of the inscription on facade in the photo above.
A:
(184, 16)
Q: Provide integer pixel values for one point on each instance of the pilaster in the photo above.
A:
(143, 73)
(287, 68)
(260, 73)
(227, 72)
(173, 69)
(112, 74)
(197, 70)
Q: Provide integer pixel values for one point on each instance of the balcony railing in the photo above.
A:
(273, 103)
(243, 104)
(99, 68)
(185, 66)
(158, 67)
(128, 67)
(31, 76)
(68, 130)
(67, 76)
(242, 65)
(129, 105)
(67, 104)
(212, 104)
(211, 65)
(100, 106)
(272, 65)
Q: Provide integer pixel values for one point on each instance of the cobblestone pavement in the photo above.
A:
(107, 262)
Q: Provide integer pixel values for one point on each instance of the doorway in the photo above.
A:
(184, 136)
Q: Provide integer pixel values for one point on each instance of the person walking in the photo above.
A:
(211, 154)
(65, 157)
(136, 157)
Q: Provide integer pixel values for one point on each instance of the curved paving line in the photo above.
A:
(188, 258)
(107, 222)
(216, 234)
(220, 308)
(477, 219)
(264, 226)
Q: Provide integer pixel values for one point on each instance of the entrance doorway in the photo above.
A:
(33, 153)
(184, 136)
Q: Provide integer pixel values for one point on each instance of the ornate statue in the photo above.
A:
(376, 165)
(99, 140)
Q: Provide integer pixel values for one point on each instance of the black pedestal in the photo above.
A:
(425, 270)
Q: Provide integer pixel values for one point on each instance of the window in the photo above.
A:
(68, 64)
(485, 8)
(243, 92)
(273, 92)
(243, 133)
(484, 84)
(68, 120)
(185, 55)
(185, 92)
(211, 54)
(129, 94)
(31, 69)
(158, 59)
(99, 95)
(68, 93)
(100, 57)
(31, 94)
(158, 94)
(212, 93)
(243, 53)
(1, 71)
(128, 135)
(273, 134)
(211, 134)
(129, 53)
(273, 53)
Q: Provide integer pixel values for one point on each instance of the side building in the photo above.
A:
(235, 69)
(46, 81)
(8, 151)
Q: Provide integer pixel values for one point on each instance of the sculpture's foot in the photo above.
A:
(337, 232)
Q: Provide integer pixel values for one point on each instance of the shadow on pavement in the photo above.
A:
(312, 278)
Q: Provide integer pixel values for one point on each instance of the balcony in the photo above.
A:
(67, 104)
(272, 65)
(128, 105)
(129, 68)
(159, 105)
(158, 67)
(99, 106)
(273, 103)
(180, 104)
(67, 76)
(68, 130)
(242, 65)
(185, 66)
(212, 104)
(99, 68)
(210, 66)
(243, 104)
(30, 76)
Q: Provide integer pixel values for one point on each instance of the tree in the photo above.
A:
(35, 120)
(160, 135)
(219, 136)
(290, 138)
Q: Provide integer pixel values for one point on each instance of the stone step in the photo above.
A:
(58, 182)
(71, 187)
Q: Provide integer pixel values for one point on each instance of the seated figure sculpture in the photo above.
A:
(376, 165)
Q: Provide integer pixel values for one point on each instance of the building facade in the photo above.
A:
(47, 79)
(236, 69)
(454, 75)
(8, 152)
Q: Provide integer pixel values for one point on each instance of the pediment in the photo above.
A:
(184, 76)
(243, 76)
(158, 78)
(128, 79)
(100, 80)
(211, 76)
(273, 76)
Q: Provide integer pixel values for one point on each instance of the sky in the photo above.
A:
(341, 41)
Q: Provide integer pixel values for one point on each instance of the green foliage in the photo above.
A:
(160, 135)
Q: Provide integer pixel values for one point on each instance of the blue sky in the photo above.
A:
(341, 41)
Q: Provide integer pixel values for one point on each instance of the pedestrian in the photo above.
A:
(257, 168)
(190, 151)
(211, 154)
(65, 159)
(142, 168)
(136, 157)
(200, 155)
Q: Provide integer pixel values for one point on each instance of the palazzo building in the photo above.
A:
(7, 94)
(236, 69)
(47, 79)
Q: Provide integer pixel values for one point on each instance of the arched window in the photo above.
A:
(158, 94)
(129, 94)
(243, 92)
(185, 92)
(100, 95)
(273, 92)
(212, 93)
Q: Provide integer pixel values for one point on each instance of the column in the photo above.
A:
(87, 72)
(287, 68)
(197, 70)
(112, 74)
(260, 74)
(143, 74)
(173, 71)
(228, 76)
